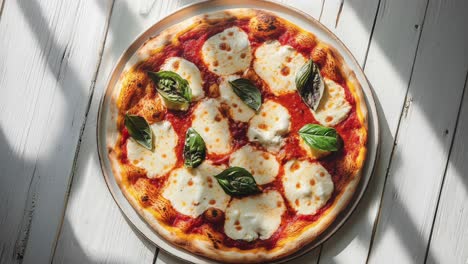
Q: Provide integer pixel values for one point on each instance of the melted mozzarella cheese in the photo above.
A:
(277, 66)
(254, 217)
(192, 191)
(162, 158)
(333, 107)
(307, 186)
(212, 127)
(269, 125)
(238, 110)
(227, 52)
(188, 71)
(263, 165)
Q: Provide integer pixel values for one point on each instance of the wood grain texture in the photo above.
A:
(49, 56)
(449, 241)
(388, 67)
(424, 138)
(94, 229)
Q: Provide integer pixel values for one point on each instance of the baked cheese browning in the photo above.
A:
(277, 65)
(237, 109)
(307, 186)
(269, 126)
(193, 191)
(227, 52)
(333, 107)
(162, 158)
(188, 71)
(263, 165)
(253, 217)
(212, 126)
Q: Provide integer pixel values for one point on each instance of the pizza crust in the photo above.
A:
(199, 244)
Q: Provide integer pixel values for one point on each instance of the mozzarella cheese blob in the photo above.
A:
(227, 52)
(192, 191)
(238, 110)
(212, 126)
(189, 72)
(333, 107)
(162, 158)
(253, 217)
(269, 125)
(277, 66)
(263, 165)
(307, 186)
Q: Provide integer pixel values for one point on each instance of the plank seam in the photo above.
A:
(338, 15)
(460, 107)
(23, 237)
(321, 11)
(83, 126)
(2, 5)
(371, 35)
(377, 220)
(156, 253)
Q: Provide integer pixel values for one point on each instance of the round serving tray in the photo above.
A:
(295, 16)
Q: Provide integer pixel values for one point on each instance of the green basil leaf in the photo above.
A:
(174, 89)
(139, 130)
(237, 181)
(194, 149)
(247, 92)
(320, 137)
(309, 84)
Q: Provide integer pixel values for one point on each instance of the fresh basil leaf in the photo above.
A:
(320, 137)
(194, 149)
(309, 84)
(139, 130)
(247, 92)
(237, 181)
(174, 89)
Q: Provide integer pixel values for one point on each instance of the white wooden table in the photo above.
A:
(55, 56)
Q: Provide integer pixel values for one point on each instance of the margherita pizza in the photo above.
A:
(240, 136)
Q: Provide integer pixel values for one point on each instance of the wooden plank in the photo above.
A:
(94, 229)
(312, 8)
(424, 138)
(392, 51)
(449, 241)
(352, 21)
(49, 56)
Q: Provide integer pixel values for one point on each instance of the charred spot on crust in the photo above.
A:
(265, 25)
(150, 107)
(324, 57)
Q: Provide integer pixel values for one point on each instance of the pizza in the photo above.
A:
(237, 135)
